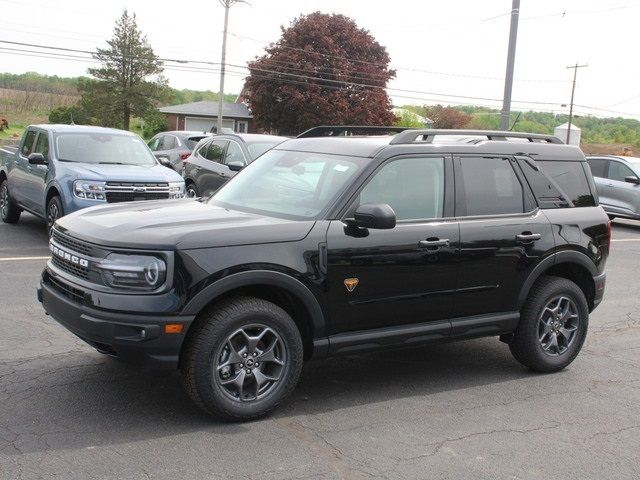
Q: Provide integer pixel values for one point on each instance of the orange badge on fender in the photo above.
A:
(351, 283)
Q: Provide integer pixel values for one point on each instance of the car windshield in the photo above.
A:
(258, 148)
(297, 185)
(105, 148)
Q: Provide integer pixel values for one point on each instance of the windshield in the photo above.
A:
(293, 184)
(105, 148)
(258, 148)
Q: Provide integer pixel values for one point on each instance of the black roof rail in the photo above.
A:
(337, 130)
(429, 134)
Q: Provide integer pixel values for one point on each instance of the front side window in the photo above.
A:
(27, 146)
(619, 171)
(42, 145)
(413, 187)
(234, 154)
(298, 185)
(571, 177)
(105, 148)
(215, 151)
(491, 186)
(154, 144)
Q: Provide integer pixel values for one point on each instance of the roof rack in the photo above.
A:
(428, 135)
(337, 130)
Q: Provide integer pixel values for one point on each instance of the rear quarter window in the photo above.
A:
(571, 177)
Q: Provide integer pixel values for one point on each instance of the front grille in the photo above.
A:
(71, 268)
(72, 293)
(72, 244)
(117, 192)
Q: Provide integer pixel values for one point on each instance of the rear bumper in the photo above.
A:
(137, 339)
(600, 282)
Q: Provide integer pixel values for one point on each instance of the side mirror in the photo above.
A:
(37, 159)
(164, 161)
(632, 179)
(379, 216)
(236, 166)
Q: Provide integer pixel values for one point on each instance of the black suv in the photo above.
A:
(336, 245)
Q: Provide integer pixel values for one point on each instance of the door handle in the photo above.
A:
(433, 243)
(528, 237)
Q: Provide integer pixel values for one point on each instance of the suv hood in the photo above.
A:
(121, 173)
(177, 224)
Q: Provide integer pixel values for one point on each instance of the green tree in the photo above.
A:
(408, 119)
(69, 114)
(129, 80)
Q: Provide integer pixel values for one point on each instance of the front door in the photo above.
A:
(621, 196)
(36, 178)
(405, 275)
(212, 173)
(502, 234)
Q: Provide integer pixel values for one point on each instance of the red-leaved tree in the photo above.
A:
(324, 70)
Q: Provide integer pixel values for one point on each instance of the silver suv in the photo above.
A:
(617, 180)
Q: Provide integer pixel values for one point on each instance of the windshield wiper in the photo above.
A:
(111, 163)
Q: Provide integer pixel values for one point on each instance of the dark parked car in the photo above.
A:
(339, 245)
(618, 183)
(217, 159)
(173, 148)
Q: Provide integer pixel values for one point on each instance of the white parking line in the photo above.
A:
(18, 259)
(626, 240)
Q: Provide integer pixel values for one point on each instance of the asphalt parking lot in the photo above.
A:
(464, 410)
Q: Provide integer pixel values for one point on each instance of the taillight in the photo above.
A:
(185, 155)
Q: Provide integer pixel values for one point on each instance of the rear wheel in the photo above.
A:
(242, 359)
(9, 211)
(192, 191)
(553, 325)
(54, 212)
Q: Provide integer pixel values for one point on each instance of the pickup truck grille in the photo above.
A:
(117, 192)
(69, 267)
(72, 244)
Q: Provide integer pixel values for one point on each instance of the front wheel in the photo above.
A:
(242, 359)
(54, 212)
(192, 191)
(9, 211)
(553, 325)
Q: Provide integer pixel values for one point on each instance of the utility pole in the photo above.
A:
(573, 90)
(511, 59)
(227, 5)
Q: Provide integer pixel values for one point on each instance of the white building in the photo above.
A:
(574, 135)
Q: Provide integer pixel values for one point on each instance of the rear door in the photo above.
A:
(503, 235)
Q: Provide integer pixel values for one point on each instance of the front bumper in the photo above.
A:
(139, 339)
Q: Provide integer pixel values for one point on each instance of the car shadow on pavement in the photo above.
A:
(81, 400)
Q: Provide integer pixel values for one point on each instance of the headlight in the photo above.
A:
(176, 190)
(137, 272)
(90, 190)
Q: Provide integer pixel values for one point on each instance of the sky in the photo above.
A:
(444, 52)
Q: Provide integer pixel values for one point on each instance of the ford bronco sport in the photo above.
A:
(335, 245)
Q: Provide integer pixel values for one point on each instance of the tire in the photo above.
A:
(54, 212)
(532, 344)
(215, 362)
(9, 211)
(192, 190)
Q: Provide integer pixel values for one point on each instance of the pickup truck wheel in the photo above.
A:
(242, 359)
(9, 211)
(54, 212)
(553, 325)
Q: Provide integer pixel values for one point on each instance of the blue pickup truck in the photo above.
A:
(58, 169)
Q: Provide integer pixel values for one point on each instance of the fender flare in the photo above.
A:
(264, 277)
(565, 256)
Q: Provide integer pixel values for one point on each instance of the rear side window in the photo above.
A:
(491, 186)
(571, 177)
(168, 142)
(598, 167)
(27, 146)
(191, 142)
